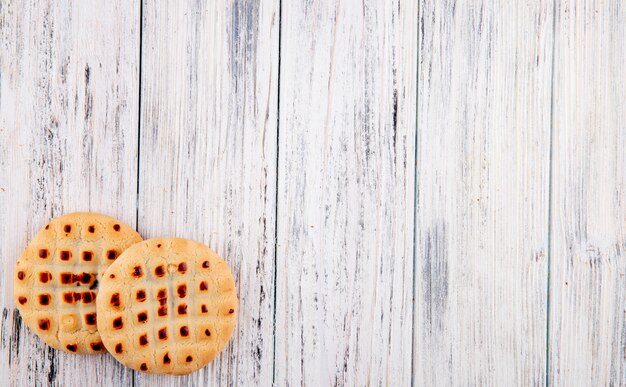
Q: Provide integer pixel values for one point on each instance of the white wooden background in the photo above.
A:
(409, 192)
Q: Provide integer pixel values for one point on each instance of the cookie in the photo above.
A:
(167, 306)
(57, 276)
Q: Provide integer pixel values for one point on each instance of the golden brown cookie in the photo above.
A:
(57, 277)
(167, 305)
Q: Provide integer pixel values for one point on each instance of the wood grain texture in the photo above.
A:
(482, 193)
(588, 252)
(346, 192)
(208, 158)
(68, 142)
(436, 199)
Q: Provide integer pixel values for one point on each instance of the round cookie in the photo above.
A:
(57, 276)
(167, 306)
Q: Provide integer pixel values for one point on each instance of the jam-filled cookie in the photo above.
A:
(167, 305)
(57, 277)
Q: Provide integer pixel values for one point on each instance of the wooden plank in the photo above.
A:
(346, 193)
(482, 192)
(68, 142)
(208, 157)
(588, 227)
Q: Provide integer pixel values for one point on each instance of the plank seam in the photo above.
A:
(549, 252)
(280, 7)
(415, 198)
(139, 112)
(139, 92)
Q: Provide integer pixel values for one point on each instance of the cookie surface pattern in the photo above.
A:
(167, 305)
(57, 277)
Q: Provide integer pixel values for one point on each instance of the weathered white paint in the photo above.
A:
(68, 142)
(381, 278)
(345, 193)
(208, 158)
(588, 206)
(482, 193)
